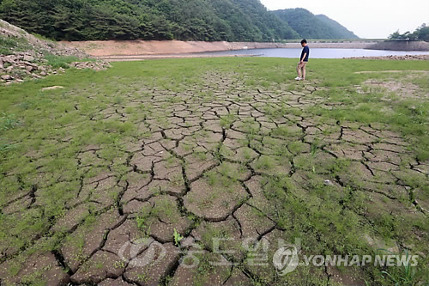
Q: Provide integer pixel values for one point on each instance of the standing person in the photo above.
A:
(303, 60)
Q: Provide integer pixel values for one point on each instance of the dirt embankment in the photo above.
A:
(156, 48)
(398, 45)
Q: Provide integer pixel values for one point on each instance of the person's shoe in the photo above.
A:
(298, 78)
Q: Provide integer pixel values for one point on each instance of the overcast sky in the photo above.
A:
(368, 19)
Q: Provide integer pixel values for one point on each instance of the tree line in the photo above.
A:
(420, 34)
(313, 26)
(214, 20)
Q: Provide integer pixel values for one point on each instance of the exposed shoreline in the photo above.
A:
(143, 50)
(399, 45)
(196, 55)
(395, 58)
(105, 49)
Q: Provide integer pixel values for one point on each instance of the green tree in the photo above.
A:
(230, 20)
(421, 34)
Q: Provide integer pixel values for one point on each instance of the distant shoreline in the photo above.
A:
(401, 45)
(138, 49)
(158, 48)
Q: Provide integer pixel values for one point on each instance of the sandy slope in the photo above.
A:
(138, 47)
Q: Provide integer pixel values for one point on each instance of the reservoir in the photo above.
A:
(315, 53)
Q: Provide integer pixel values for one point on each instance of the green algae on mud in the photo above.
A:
(229, 148)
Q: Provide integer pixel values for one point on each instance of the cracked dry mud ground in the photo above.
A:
(205, 164)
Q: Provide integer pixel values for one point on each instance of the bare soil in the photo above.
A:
(138, 49)
(199, 177)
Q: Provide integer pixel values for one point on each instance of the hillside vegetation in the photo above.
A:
(313, 26)
(420, 34)
(216, 20)
(236, 20)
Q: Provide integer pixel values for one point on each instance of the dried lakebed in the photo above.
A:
(224, 160)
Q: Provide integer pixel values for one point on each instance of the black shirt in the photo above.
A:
(306, 49)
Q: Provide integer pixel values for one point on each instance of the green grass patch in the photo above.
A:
(60, 61)
(10, 45)
(107, 113)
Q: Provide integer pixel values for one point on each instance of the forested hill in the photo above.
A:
(338, 31)
(313, 26)
(214, 20)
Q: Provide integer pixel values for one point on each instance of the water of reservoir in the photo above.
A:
(316, 53)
